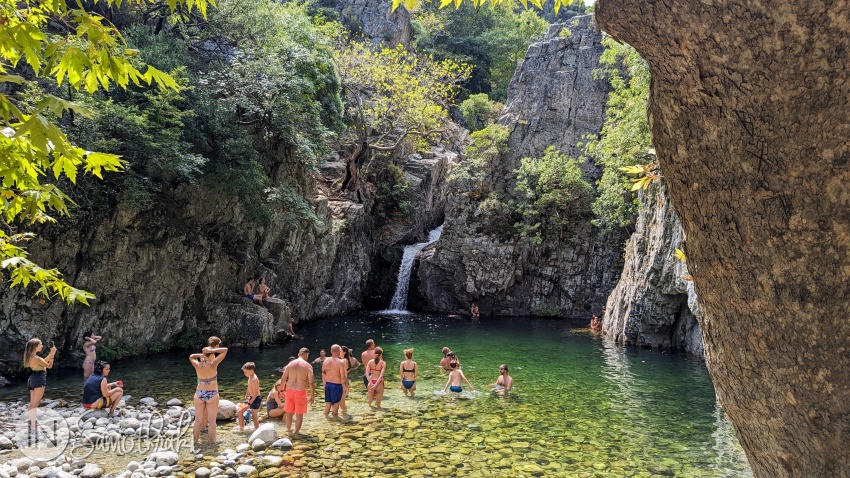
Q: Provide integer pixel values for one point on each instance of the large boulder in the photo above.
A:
(226, 410)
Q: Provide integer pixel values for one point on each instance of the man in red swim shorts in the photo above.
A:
(298, 376)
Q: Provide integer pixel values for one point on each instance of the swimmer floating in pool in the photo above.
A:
(455, 377)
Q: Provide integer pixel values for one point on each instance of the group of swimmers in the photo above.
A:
(295, 390)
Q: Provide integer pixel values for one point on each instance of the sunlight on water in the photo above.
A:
(581, 406)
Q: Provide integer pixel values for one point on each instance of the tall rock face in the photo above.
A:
(374, 20)
(653, 305)
(553, 100)
(173, 274)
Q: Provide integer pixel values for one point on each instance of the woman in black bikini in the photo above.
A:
(206, 395)
(408, 370)
(38, 380)
(375, 372)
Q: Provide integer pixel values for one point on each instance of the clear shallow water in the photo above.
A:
(581, 406)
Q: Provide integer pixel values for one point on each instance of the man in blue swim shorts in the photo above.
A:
(333, 376)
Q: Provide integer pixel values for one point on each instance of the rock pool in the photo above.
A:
(581, 406)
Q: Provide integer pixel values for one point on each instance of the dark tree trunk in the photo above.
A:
(750, 118)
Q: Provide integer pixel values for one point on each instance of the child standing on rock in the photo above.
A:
(253, 399)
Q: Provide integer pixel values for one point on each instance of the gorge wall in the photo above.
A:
(553, 100)
(653, 304)
(173, 274)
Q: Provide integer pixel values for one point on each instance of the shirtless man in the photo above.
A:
(298, 376)
(366, 356)
(249, 292)
(333, 377)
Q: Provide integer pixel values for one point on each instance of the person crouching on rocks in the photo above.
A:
(274, 402)
(99, 394)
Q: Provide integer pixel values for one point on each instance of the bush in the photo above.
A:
(477, 111)
(551, 193)
(476, 173)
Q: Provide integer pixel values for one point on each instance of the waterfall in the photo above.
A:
(399, 301)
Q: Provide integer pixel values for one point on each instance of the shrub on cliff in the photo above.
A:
(551, 192)
(625, 138)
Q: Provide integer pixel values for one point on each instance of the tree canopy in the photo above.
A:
(72, 47)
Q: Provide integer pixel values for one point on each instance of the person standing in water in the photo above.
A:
(473, 311)
(38, 379)
(375, 372)
(504, 382)
(206, 395)
(349, 362)
(455, 376)
(366, 357)
(89, 346)
(333, 378)
(298, 377)
(408, 371)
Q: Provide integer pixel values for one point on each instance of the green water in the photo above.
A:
(581, 406)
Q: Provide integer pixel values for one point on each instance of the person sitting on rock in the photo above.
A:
(98, 393)
(274, 402)
(249, 292)
(262, 289)
(473, 310)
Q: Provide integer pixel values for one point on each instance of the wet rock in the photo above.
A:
(149, 401)
(174, 402)
(282, 443)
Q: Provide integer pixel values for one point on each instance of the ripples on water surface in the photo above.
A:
(581, 406)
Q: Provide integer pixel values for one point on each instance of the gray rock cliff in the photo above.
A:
(553, 100)
(653, 305)
(374, 20)
(173, 274)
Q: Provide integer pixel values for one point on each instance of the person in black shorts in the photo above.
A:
(253, 399)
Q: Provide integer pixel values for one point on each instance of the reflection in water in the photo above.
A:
(579, 404)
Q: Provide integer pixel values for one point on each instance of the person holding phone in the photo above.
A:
(98, 393)
(38, 380)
